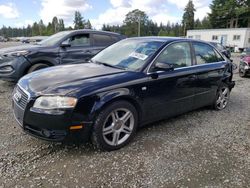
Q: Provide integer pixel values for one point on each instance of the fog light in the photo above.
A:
(6, 69)
(76, 127)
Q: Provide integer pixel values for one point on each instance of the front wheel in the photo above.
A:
(37, 67)
(222, 97)
(115, 126)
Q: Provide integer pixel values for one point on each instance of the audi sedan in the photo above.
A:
(129, 84)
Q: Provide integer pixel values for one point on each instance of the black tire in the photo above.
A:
(98, 137)
(242, 73)
(219, 97)
(37, 67)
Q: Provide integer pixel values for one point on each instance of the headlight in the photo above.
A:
(54, 102)
(18, 53)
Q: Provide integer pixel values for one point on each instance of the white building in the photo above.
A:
(238, 38)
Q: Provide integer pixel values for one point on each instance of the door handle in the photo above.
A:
(87, 52)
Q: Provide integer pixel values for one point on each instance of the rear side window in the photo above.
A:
(204, 53)
(102, 40)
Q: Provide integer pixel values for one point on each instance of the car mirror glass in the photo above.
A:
(65, 44)
(164, 66)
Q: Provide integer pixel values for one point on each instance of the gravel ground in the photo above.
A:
(9, 44)
(203, 148)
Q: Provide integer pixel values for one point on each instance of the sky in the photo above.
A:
(19, 13)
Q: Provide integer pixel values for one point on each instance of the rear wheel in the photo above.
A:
(242, 73)
(115, 126)
(222, 97)
(37, 67)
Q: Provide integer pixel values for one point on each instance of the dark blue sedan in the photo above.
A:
(129, 84)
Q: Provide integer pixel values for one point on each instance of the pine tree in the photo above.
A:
(79, 22)
(188, 16)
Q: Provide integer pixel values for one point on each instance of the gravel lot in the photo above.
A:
(203, 148)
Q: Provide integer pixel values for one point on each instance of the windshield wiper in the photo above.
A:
(109, 65)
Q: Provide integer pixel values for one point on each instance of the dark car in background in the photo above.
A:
(62, 48)
(222, 49)
(244, 65)
(127, 85)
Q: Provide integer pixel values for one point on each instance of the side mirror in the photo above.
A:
(164, 66)
(65, 44)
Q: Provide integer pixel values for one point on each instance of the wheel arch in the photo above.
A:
(49, 63)
(102, 104)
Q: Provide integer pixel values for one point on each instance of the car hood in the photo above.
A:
(64, 79)
(28, 47)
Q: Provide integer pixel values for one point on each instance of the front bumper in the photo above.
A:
(49, 127)
(16, 67)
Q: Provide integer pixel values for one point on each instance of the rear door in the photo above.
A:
(101, 41)
(80, 49)
(210, 66)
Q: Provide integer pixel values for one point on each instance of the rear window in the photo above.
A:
(205, 53)
(103, 40)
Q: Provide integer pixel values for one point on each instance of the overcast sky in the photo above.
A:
(19, 13)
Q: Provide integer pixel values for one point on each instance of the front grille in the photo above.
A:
(24, 97)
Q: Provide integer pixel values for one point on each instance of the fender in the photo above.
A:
(106, 98)
(51, 61)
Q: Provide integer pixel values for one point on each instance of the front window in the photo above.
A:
(130, 54)
(177, 54)
(80, 40)
(54, 39)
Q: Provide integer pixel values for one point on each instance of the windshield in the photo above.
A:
(129, 54)
(52, 40)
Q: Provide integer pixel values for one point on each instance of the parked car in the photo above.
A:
(244, 67)
(62, 48)
(246, 52)
(127, 85)
(222, 49)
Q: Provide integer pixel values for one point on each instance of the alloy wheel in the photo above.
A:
(223, 98)
(118, 126)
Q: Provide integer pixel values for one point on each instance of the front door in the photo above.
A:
(80, 49)
(171, 92)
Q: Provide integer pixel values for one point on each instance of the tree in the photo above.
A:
(188, 16)
(35, 29)
(79, 22)
(42, 28)
(61, 26)
(55, 25)
(135, 23)
(88, 25)
(229, 14)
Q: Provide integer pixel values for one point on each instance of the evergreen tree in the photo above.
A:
(79, 22)
(55, 25)
(188, 16)
(88, 25)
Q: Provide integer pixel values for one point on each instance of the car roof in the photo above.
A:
(94, 31)
(165, 39)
